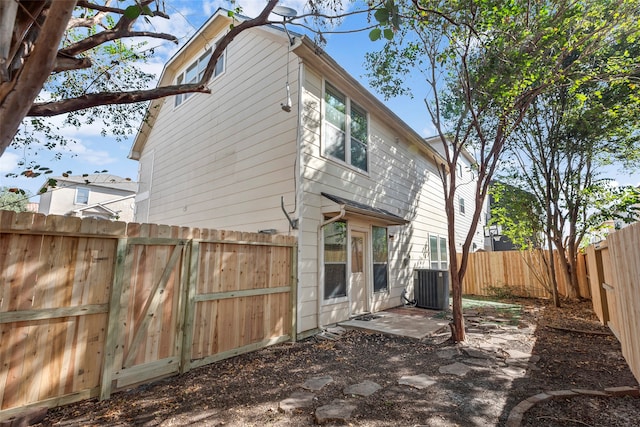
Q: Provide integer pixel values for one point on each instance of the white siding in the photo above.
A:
(400, 180)
(223, 160)
(466, 190)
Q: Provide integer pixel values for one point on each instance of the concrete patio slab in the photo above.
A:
(408, 325)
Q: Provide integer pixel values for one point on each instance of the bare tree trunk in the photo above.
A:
(552, 274)
(457, 326)
(567, 270)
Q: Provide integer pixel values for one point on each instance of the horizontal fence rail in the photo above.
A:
(517, 273)
(88, 306)
(614, 277)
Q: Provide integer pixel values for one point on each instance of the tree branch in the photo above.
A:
(67, 63)
(54, 108)
(258, 21)
(35, 71)
(123, 29)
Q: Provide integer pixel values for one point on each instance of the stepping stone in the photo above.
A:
(489, 347)
(517, 354)
(514, 371)
(417, 381)
(365, 388)
(336, 411)
(486, 363)
(299, 399)
(315, 384)
(337, 330)
(479, 353)
(459, 369)
(448, 353)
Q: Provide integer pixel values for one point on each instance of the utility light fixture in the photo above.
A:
(286, 13)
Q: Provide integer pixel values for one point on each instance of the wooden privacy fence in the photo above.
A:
(88, 307)
(520, 273)
(614, 277)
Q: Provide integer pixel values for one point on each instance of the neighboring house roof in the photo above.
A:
(97, 180)
(431, 140)
(370, 211)
(305, 49)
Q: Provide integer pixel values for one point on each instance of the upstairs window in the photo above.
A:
(346, 129)
(195, 71)
(82, 196)
(461, 203)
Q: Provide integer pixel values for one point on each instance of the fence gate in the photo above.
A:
(144, 339)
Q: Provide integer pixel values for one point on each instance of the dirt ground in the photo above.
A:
(574, 350)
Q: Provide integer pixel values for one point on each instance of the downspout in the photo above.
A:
(321, 258)
(298, 176)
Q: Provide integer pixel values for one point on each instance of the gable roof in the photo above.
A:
(97, 180)
(310, 53)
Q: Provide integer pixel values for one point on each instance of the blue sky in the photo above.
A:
(93, 152)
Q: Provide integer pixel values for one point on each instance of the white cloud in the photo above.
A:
(89, 155)
(9, 162)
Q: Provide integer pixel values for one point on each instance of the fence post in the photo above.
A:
(113, 329)
(189, 306)
(294, 292)
(601, 289)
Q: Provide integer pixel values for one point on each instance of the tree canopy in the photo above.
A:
(484, 63)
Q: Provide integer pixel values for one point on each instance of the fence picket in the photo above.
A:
(68, 292)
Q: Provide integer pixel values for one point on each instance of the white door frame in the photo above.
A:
(364, 305)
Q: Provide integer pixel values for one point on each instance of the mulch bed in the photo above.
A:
(245, 390)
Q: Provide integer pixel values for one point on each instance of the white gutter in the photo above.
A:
(321, 258)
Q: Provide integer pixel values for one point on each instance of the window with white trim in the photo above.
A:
(380, 259)
(346, 129)
(461, 203)
(438, 254)
(335, 260)
(82, 196)
(195, 71)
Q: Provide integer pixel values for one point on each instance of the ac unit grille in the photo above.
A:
(431, 289)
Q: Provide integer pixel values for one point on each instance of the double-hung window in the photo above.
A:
(380, 259)
(438, 252)
(335, 260)
(82, 196)
(195, 71)
(346, 129)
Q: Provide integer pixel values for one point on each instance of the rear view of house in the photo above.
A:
(289, 143)
(101, 196)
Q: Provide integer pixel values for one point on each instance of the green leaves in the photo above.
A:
(388, 19)
(382, 16)
(375, 34)
(13, 199)
(134, 11)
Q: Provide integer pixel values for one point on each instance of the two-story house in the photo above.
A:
(102, 196)
(333, 166)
